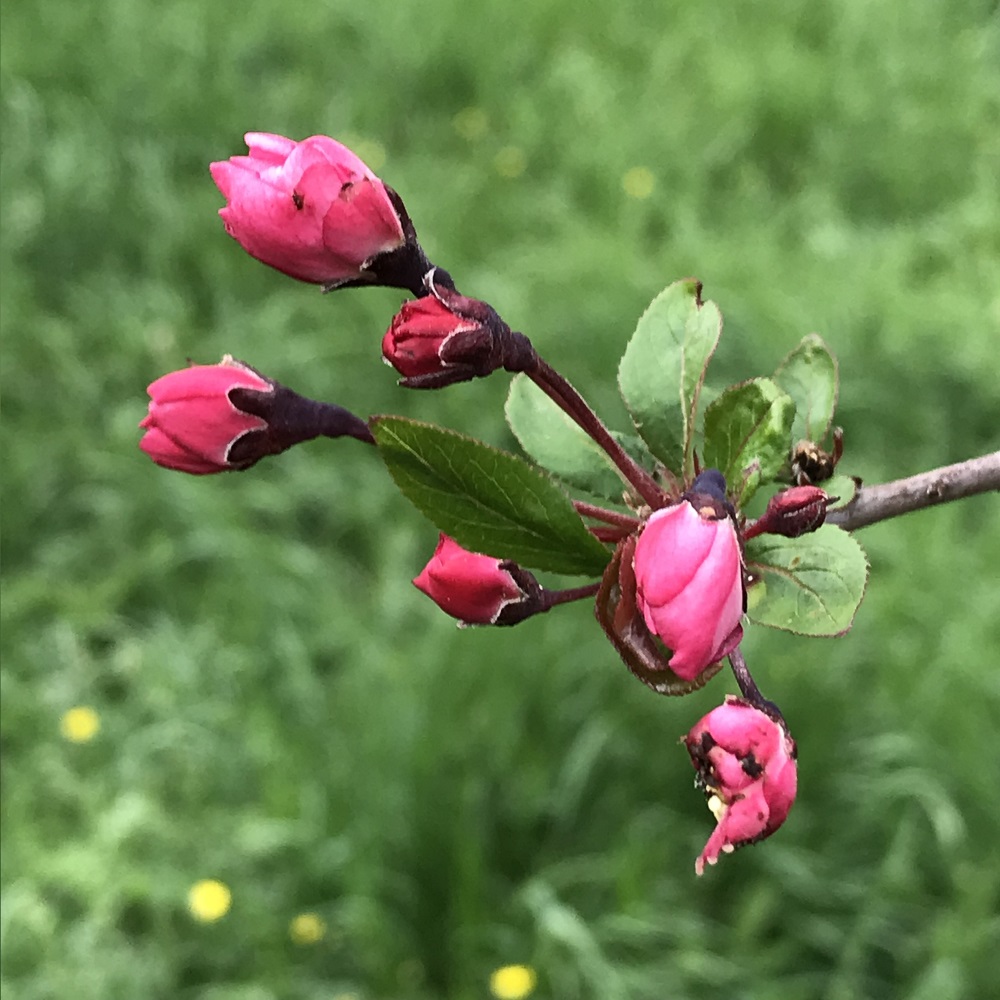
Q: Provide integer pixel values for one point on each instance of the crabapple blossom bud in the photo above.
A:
(689, 578)
(478, 589)
(444, 337)
(745, 761)
(792, 512)
(216, 418)
(314, 211)
(192, 423)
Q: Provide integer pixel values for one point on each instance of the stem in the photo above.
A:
(608, 516)
(334, 421)
(561, 392)
(610, 534)
(748, 686)
(950, 482)
(550, 598)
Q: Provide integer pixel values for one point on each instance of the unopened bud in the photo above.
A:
(218, 418)
(445, 337)
(689, 577)
(792, 512)
(479, 589)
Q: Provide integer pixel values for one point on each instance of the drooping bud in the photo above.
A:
(226, 417)
(689, 578)
(745, 763)
(444, 337)
(791, 513)
(478, 589)
(313, 210)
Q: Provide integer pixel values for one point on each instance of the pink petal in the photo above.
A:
(362, 223)
(349, 165)
(743, 820)
(166, 452)
(268, 147)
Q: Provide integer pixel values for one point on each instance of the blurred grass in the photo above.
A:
(280, 709)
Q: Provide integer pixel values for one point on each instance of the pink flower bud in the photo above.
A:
(792, 512)
(745, 761)
(310, 209)
(216, 418)
(471, 587)
(193, 423)
(414, 342)
(444, 337)
(689, 583)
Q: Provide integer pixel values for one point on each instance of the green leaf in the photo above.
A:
(748, 435)
(811, 585)
(809, 376)
(557, 443)
(661, 374)
(486, 499)
(843, 487)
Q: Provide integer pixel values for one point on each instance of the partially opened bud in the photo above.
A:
(689, 580)
(792, 512)
(745, 761)
(445, 337)
(478, 589)
(314, 211)
(218, 418)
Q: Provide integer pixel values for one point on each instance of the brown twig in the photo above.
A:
(902, 496)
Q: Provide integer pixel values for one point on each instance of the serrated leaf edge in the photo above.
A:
(817, 635)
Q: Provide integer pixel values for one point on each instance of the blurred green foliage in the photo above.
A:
(280, 709)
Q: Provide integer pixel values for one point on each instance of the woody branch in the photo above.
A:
(902, 496)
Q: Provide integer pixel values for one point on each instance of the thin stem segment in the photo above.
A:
(559, 390)
(609, 533)
(748, 686)
(607, 516)
(550, 598)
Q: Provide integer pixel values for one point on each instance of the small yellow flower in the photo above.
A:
(510, 162)
(80, 724)
(307, 928)
(471, 123)
(639, 182)
(513, 982)
(209, 900)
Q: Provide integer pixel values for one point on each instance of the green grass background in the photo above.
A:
(281, 709)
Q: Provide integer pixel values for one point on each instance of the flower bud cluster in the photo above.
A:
(673, 594)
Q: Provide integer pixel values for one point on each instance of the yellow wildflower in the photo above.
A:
(513, 982)
(510, 162)
(639, 182)
(80, 724)
(209, 900)
(307, 928)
